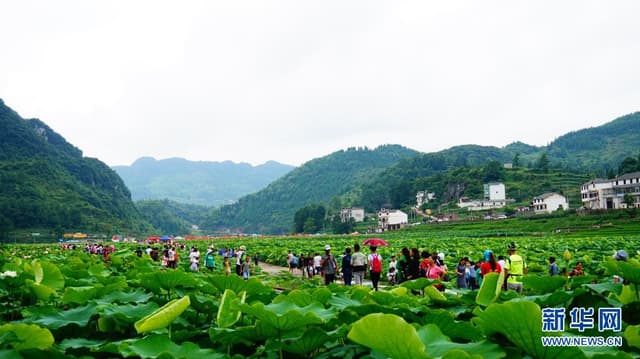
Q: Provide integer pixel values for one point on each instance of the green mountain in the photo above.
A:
(561, 166)
(45, 182)
(271, 210)
(201, 183)
(171, 217)
(461, 170)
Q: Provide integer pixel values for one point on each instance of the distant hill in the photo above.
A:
(171, 217)
(317, 181)
(201, 183)
(454, 172)
(47, 183)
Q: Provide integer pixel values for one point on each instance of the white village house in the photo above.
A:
(609, 193)
(390, 219)
(423, 197)
(357, 213)
(549, 202)
(494, 197)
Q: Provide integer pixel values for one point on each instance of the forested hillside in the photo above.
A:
(45, 182)
(317, 181)
(171, 217)
(197, 182)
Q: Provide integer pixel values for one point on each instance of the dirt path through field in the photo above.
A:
(273, 270)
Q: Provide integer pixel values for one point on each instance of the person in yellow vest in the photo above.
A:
(515, 268)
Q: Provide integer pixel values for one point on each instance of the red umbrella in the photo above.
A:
(377, 242)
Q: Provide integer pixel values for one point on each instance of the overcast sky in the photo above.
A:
(251, 81)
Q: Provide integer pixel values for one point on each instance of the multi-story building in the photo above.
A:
(423, 197)
(356, 213)
(549, 202)
(609, 193)
(390, 219)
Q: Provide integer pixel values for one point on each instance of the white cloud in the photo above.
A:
(290, 81)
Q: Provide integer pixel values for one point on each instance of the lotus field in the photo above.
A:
(68, 303)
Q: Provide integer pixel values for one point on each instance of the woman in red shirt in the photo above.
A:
(490, 264)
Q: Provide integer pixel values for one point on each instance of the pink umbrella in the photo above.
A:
(377, 242)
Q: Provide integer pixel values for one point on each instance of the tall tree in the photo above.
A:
(516, 160)
(543, 163)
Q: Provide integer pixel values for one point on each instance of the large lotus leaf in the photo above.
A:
(543, 284)
(202, 303)
(629, 270)
(99, 270)
(521, 323)
(129, 313)
(296, 296)
(168, 280)
(78, 295)
(460, 354)
(490, 288)
(137, 296)
(286, 315)
(10, 354)
(341, 301)
(601, 288)
(228, 312)
(419, 284)
(388, 334)
(247, 335)
(28, 336)
(322, 295)
(632, 336)
(438, 344)
(458, 330)
(162, 317)
(42, 292)
(627, 295)
(155, 346)
(80, 343)
(312, 339)
(110, 285)
(434, 294)
(54, 318)
(254, 286)
(48, 274)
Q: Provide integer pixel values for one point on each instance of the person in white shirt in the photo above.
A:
(317, 263)
(358, 264)
(194, 259)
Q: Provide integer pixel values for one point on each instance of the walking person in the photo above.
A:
(329, 266)
(461, 268)
(375, 266)
(358, 264)
(516, 268)
(346, 266)
(246, 268)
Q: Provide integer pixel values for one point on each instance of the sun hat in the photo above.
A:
(621, 255)
(243, 248)
(441, 256)
(327, 247)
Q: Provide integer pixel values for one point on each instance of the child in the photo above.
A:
(553, 266)
(391, 275)
(246, 268)
(227, 266)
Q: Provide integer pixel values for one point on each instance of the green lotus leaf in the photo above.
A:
(602, 288)
(322, 295)
(460, 354)
(341, 301)
(627, 295)
(136, 296)
(296, 296)
(312, 339)
(167, 280)
(543, 284)
(490, 288)
(99, 270)
(437, 344)
(254, 286)
(629, 270)
(162, 317)
(48, 274)
(202, 303)
(419, 284)
(79, 343)
(458, 330)
(433, 293)
(42, 292)
(247, 335)
(10, 354)
(521, 323)
(54, 318)
(155, 346)
(632, 336)
(228, 312)
(28, 336)
(129, 313)
(388, 334)
(286, 315)
(78, 295)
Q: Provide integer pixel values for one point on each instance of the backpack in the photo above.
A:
(294, 261)
(376, 264)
